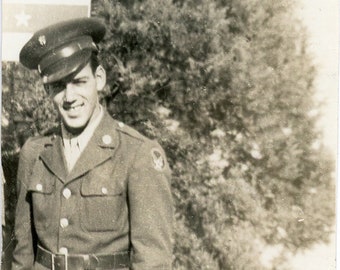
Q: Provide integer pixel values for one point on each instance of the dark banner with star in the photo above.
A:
(20, 19)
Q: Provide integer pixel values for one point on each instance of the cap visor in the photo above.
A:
(66, 67)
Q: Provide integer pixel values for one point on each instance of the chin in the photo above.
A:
(75, 124)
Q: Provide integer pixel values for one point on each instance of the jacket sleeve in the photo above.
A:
(151, 209)
(23, 255)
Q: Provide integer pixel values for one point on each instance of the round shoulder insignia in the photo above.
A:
(158, 160)
(107, 139)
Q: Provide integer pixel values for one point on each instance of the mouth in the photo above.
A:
(72, 107)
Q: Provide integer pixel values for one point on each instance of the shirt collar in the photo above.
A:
(83, 138)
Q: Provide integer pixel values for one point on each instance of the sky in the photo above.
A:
(321, 17)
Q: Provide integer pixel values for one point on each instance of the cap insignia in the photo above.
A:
(42, 40)
(158, 160)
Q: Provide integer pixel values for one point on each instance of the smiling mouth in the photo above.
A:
(71, 107)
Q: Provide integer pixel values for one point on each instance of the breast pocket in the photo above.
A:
(41, 189)
(102, 202)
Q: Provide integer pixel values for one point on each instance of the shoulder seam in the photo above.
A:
(38, 140)
(132, 133)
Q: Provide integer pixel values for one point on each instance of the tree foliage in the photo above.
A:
(226, 87)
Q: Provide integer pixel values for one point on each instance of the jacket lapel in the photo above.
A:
(100, 148)
(54, 159)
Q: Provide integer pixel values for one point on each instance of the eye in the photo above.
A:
(79, 82)
(54, 88)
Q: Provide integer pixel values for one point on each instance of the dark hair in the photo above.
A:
(94, 62)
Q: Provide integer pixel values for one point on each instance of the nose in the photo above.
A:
(69, 95)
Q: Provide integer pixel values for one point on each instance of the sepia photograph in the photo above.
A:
(172, 134)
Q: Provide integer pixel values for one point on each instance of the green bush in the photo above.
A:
(227, 88)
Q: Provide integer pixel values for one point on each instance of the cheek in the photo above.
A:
(92, 97)
(57, 99)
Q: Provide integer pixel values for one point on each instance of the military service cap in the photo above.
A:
(62, 49)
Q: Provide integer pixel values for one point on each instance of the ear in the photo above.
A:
(100, 76)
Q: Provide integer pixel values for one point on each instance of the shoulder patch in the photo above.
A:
(157, 159)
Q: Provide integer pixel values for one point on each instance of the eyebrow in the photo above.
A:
(80, 78)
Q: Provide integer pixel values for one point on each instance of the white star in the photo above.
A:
(22, 18)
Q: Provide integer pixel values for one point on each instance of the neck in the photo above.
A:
(75, 131)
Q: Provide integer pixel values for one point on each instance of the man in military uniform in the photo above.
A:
(95, 195)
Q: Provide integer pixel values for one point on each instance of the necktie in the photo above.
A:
(72, 152)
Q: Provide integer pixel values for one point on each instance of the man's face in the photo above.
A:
(77, 99)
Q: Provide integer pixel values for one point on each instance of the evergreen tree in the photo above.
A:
(226, 87)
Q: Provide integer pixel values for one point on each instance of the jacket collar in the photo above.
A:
(100, 148)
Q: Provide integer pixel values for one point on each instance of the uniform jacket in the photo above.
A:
(118, 198)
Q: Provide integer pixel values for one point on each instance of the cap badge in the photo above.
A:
(42, 40)
(158, 160)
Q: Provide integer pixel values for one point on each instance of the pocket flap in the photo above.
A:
(41, 180)
(99, 186)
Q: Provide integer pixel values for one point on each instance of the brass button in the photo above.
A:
(64, 222)
(63, 250)
(39, 187)
(67, 193)
(107, 139)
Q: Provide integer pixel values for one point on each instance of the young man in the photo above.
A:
(95, 195)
